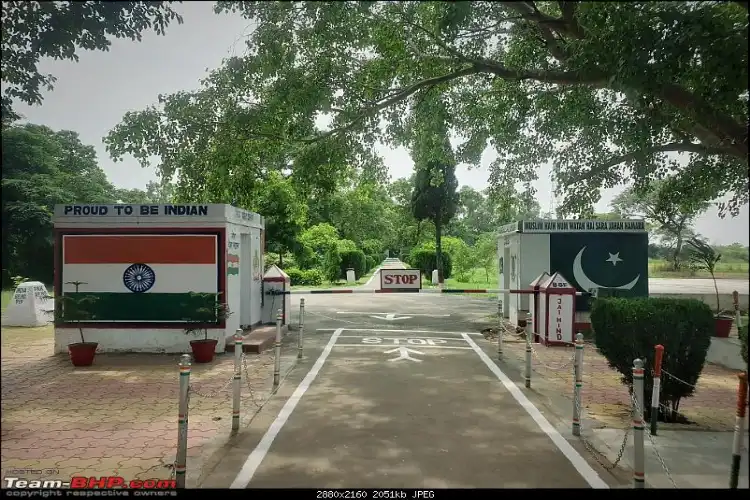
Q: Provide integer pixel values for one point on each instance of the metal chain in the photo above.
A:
(590, 448)
(677, 378)
(553, 368)
(639, 410)
(211, 394)
(246, 372)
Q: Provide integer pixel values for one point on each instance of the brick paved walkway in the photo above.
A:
(118, 416)
(712, 406)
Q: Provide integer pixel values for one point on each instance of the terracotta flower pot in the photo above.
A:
(723, 326)
(203, 350)
(82, 353)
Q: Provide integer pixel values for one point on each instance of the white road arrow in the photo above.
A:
(390, 317)
(404, 354)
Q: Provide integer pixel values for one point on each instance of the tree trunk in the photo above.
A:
(281, 260)
(439, 252)
(676, 254)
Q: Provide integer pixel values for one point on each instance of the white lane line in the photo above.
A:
(375, 273)
(386, 331)
(245, 475)
(415, 346)
(575, 458)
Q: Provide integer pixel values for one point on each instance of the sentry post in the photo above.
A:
(401, 279)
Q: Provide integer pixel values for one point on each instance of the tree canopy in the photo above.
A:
(604, 91)
(34, 30)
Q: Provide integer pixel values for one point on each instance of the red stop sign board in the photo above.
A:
(400, 279)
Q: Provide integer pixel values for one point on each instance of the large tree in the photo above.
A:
(671, 213)
(42, 167)
(605, 91)
(34, 30)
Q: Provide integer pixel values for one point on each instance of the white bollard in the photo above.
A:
(180, 465)
(300, 333)
(237, 381)
(578, 384)
(639, 456)
(500, 332)
(527, 367)
(277, 353)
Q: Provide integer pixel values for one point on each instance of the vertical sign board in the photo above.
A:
(407, 280)
(560, 310)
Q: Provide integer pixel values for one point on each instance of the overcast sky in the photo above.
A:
(91, 96)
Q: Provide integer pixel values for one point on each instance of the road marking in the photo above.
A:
(245, 475)
(394, 314)
(404, 354)
(390, 317)
(421, 346)
(578, 462)
(387, 330)
(428, 340)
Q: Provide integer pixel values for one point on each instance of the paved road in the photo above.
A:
(696, 286)
(354, 418)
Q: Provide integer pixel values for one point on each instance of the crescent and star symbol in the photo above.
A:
(587, 284)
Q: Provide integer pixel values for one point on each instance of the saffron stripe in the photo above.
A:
(129, 248)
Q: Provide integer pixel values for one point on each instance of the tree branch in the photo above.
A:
(689, 147)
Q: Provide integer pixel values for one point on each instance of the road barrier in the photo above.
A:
(739, 430)
(406, 290)
(179, 467)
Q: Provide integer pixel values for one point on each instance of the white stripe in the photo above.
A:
(578, 462)
(259, 453)
(170, 278)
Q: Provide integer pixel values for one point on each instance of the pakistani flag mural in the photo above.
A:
(141, 277)
(602, 260)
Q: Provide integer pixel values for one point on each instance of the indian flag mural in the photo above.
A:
(141, 277)
(233, 264)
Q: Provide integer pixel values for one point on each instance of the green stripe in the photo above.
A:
(147, 307)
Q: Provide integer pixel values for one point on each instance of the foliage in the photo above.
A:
(212, 314)
(370, 263)
(426, 261)
(671, 209)
(332, 264)
(42, 167)
(742, 334)
(353, 259)
(18, 281)
(301, 277)
(627, 329)
(486, 253)
(704, 256)
(604, 91)
(36, 30)
(75, 309)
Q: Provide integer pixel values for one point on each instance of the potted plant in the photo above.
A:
(75, 310)
(704, 256)
(201, 319)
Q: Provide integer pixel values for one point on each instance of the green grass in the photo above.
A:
(724, 270)
(338, 284)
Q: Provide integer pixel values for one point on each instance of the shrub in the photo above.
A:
(742, 334)
(302, 277)
(426, 261)
(313, 277)
(629, 328)
(270, 259)
(296, 276)
(354, 259)
(332, 264)
(370, 263)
